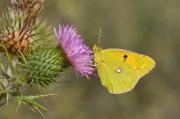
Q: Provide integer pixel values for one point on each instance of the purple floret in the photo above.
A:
(78, 54)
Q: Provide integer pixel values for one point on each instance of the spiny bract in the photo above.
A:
(43, 67)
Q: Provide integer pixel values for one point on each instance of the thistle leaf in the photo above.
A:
(31, 100)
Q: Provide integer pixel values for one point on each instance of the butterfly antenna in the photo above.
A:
(99, 36)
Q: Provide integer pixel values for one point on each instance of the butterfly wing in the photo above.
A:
(120, 70)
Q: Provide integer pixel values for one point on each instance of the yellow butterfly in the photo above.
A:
(120, 70)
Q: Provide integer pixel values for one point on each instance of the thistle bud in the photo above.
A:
(43, 67)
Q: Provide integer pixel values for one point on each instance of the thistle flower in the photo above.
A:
(79, 55)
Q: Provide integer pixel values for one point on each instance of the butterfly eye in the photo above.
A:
(119, 70)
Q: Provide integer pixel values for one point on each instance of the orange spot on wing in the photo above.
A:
(132, 61)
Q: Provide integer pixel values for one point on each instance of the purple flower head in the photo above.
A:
(78, 54)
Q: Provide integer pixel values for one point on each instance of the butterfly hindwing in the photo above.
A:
(117, 82)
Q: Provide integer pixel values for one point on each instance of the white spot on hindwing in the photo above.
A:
(119, 70)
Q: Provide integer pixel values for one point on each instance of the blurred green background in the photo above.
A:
(151, 27)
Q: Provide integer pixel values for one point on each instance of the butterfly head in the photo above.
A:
(96, 49)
